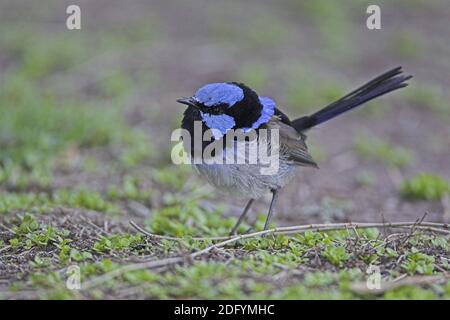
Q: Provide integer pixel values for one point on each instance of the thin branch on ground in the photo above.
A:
(428, 226)
(157, 236)
(442, 228)
(361, 287)
(96, 227)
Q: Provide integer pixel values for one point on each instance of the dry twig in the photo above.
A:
(428, 226)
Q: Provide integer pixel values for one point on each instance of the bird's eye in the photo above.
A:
(216, 110)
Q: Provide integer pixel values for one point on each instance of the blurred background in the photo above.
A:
(86, 115)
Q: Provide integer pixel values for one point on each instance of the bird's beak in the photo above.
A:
(188, 101)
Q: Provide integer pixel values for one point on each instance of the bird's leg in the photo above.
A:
(272, 205)
(241, 218)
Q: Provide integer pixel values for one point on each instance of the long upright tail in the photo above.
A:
(385, 83)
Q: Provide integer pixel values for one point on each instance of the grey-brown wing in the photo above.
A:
(292, 143)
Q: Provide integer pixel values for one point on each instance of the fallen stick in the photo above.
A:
(442, 228)
(431, 226)
(361, 287)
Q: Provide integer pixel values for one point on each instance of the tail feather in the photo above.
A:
(385, 83)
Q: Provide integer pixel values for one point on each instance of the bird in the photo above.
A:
(226, 106)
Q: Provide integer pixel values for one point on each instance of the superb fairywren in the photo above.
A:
(224, 107)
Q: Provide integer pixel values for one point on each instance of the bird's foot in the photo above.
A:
(234, 232)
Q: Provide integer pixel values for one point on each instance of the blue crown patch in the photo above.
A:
(219, 93)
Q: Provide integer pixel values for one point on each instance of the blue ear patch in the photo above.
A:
(221, 123)
(266, 113)
(219, 93)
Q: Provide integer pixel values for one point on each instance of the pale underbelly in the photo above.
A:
(246, 180)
